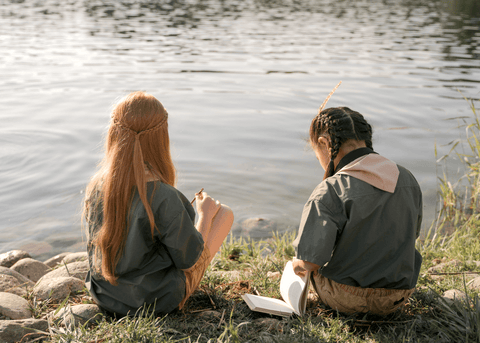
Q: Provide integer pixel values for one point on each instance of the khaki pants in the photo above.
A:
(349, 299)
(194, 275)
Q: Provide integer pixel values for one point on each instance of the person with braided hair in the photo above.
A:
(143, 247)
(358, 228)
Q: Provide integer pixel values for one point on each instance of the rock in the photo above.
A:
(208, 315)
(15, 330)
(475, 284)
(454, 295)
(57, 288)
(24, 281)
(30, 268)
(312, 296)
(269, 324)
(442, 266)
(11, 284)
(8, 259)
(13, 306)
(53, 261)
(274, 275)
(257, 226)
(77, 315)
(75, 269)
(75, 257)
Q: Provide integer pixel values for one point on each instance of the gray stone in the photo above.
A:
(269, 324)
(13, 306)
(455, 295)
(8, 259)
(209, 315)
(53, 261)
(257, 226)
(15, 330)
(30, 268)
(475, 284)
(77, 315)
(75, 269)
(75, 257)
(57, 288)
(11, 284)
(23, 280)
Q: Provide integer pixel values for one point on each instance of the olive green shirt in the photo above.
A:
(361, 235)
(150, 270)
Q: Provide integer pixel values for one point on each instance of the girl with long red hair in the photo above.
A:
(143, 246)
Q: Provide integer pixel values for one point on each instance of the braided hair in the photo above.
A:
(339, 124)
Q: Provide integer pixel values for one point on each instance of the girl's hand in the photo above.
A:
(301, 267)
(207, 207)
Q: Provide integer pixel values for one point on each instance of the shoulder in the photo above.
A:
(166, 201)
(406, 178)
(327, 194)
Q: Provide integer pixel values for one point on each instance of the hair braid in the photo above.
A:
(339, 124)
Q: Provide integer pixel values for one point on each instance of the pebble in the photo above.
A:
(57, 288)
(77, 315)
(454, 295)
(30, 268)
(75, 269)
(8, 259)
(475, 284)
(15, 330)
(75, 257)
(14, 306)
(53, 261)
(11, 284)
(23, 280)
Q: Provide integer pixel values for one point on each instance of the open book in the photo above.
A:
(294, 290)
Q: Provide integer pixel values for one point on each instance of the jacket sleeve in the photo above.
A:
(317, 233)
(182, 240)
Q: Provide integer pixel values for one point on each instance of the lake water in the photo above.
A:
(241, 81)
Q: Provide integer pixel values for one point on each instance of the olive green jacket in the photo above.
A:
(360, 225)
(150, 270)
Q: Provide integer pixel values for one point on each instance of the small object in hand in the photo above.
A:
(200, 191)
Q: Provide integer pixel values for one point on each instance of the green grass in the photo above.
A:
(216, 312)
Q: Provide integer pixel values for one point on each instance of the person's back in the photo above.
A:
(144, 249)
(359, 226)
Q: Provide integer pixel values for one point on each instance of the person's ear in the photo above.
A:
(323, 143)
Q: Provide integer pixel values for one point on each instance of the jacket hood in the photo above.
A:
(376, 170)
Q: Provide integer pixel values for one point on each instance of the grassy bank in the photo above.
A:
(216, 312)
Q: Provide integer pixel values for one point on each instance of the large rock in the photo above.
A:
(75, 269)
(13, 306)
(23, 280)
(77, 315)
(57, 288)
(30, 268)
(8, 259)
(15, 330)
(11, 284)
(75, 257)
(53, 261)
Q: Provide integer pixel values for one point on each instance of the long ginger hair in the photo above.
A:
(137, 143)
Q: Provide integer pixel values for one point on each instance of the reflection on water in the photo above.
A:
(241, 81)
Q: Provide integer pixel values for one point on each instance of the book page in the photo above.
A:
(267, 305)
(293, 289)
